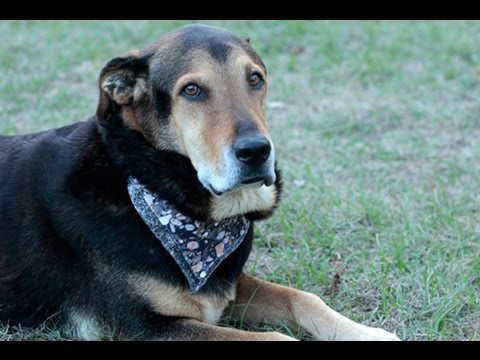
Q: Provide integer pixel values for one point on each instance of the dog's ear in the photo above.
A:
(122, 82)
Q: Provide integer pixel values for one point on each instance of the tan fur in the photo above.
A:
(259, 300)
(243, 201)
(170, 300)
(134, 52)
(131, 121)
(204, 130)
(192, 330)
(201, 312)
(121, 94)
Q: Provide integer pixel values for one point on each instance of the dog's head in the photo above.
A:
(198, 91)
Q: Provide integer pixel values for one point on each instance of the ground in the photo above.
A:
(376, 126)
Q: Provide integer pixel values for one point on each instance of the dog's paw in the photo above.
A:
(376, 334)
(275, 336)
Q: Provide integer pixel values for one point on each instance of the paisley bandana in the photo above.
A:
(197, 247)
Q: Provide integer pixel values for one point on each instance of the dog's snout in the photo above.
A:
(252, 150)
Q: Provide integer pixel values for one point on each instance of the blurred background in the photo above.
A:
(376, 126)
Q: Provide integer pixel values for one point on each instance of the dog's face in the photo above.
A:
(198, 91)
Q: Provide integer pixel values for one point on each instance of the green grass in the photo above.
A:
(377, 128)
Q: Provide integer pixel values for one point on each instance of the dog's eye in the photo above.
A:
(191, 90)
(254, 79)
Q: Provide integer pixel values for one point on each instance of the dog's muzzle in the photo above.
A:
(255, 155)
(248, 162)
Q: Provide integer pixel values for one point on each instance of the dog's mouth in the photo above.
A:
(255, 181)
(215, 192)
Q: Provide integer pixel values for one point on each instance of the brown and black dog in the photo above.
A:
(185, 118)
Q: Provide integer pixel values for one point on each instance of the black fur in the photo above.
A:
(69, 235)
(65, 214)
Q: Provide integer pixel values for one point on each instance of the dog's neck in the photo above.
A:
(198, 247)
(173, 176)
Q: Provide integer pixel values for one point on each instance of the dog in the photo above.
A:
(140, 219)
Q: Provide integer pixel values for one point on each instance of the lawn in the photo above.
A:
(377, 130)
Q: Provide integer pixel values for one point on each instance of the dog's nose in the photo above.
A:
(252, 150)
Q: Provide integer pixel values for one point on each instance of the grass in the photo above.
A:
(376, 126)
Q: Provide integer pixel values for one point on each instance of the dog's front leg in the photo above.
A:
(193, 330)
(259, 300)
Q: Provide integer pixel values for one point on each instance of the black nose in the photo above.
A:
(252, 150)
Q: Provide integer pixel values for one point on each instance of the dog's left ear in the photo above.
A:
(123, 82)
